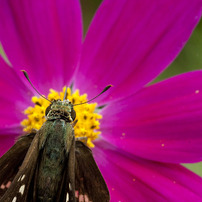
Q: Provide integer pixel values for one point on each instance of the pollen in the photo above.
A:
(88, 124)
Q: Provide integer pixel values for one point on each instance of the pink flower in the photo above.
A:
(147, 131)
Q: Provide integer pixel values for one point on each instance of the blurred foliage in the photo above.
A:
(188, 60)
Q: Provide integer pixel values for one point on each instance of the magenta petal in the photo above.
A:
(134, 179)
(15, 96)
(43, 37)
(161, 122)
(130, 42)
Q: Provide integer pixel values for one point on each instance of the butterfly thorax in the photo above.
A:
(58, 135)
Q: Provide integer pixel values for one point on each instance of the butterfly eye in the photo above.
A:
(48, 109)
(73, 114)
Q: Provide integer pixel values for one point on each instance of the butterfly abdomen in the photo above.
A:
(52, 160)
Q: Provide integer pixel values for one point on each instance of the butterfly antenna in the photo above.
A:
(27, 77)
(105, 89)
(65, 95)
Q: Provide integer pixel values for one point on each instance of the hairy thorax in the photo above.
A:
(52, 161)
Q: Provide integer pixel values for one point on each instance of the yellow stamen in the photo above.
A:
(88, 121)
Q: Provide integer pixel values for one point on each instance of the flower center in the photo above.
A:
(88, 121)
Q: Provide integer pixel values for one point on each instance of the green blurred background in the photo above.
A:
(189, 59)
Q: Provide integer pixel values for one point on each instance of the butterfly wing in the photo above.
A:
(19, 190)
(82, 180)
(89, 183)
(12, 160)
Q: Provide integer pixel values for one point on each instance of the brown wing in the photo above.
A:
(19, 190)
(82, 180)
(89, 183)
(12, 160)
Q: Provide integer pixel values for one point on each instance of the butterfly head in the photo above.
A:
(59, 109)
